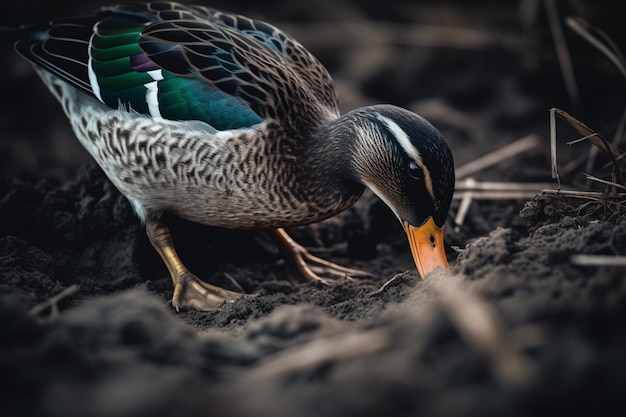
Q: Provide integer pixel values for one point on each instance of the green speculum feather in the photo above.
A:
(120, 51)
(110, 53)
(109, 32)
(113, 67)
(110, 44)
(190, 99)
(110, 60)
(179, 98)
(111, 40)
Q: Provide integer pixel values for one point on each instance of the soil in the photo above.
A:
(514, 328)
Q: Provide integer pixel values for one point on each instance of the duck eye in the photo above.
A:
(414, 170)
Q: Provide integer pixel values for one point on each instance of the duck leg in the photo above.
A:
(189, 290)
(309, 265)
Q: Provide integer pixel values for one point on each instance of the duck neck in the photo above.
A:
(342, 141)
(326, 163)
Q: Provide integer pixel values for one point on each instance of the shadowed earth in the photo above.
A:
(514, 328)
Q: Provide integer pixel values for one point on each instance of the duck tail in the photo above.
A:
(59, 47)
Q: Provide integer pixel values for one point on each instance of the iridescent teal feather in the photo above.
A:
(188, 99)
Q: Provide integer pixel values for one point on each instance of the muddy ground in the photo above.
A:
(514, 328)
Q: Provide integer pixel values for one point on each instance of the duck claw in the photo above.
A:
(191, 292)
(313, 268)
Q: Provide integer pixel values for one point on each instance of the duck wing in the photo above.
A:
(181, 62)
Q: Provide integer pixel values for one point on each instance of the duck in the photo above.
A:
(227, 121)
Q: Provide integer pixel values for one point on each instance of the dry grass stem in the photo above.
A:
(562, 53)
(468, 189)
(582, 139)
(601, 42)
(235, 283)
(466, 202)
(481, 328)
(386, 285)
(521, 145)
(497, 195)
(600, 196)
(605, 182)
(52, 302)
(553, 158)
(617, 156)
(598, 260)
(470, 184)
(322, 351)
(611, 201)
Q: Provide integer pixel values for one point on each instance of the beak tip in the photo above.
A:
(423, 273)
(427, 248)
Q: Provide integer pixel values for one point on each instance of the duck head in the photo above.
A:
(406, 162)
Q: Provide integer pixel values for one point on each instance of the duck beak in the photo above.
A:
(426, 243)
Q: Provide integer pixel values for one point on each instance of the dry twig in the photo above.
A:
(617, 156)
(598, 260)
(598, 39)
(468, 189)
(52, 302)
(521, 145)
(481, 328)
(592, 195)
(562, 53)
(322, 351)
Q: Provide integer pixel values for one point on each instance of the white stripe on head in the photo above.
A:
(402, 138)
(405, 143)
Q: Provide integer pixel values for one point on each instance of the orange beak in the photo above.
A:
(426, 243)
